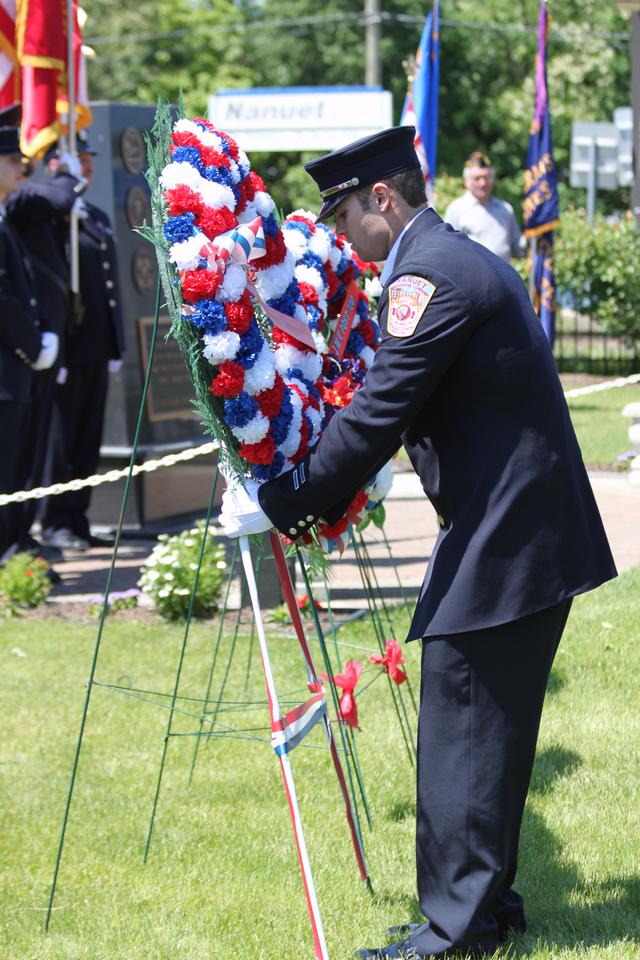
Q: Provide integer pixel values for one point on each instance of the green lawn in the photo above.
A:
(222, 879)
(601, 430)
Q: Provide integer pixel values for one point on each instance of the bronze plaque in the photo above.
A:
(170, 388)
(143, 270)
(132, 150)
(137, 207)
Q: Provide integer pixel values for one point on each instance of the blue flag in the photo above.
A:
(541, 211)
(421, 103)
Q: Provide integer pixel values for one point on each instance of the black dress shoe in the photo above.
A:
(95, 541)
(65, 539)
(47, 551)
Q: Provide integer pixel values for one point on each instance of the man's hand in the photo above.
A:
(241, 514)
(49, 344)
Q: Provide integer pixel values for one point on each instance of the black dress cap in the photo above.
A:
(10, 119)
(362, 163)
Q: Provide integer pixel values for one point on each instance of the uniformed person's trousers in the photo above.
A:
(481, 701)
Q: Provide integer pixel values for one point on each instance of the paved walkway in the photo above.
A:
(411, 528)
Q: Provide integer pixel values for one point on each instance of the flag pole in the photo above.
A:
(74, 252)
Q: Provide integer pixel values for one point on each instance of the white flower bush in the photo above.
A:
(168, 573)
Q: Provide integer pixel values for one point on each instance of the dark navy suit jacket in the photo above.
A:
(474, 396)
(19, 324)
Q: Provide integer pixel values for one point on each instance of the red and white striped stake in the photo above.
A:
(285, 763)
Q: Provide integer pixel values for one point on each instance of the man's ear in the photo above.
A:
(381, 193)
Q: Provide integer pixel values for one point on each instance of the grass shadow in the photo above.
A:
(551, 765)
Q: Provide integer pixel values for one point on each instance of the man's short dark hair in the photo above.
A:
(409, 184)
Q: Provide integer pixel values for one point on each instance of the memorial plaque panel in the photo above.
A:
(144, 270)
(132, 150)
(137, 207)
(170, 388)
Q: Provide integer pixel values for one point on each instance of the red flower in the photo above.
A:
(368, 334)
(357, 505)
(199, 284)
(213, 158)
(276, 251)
(347, 681)
(256, 182)
(309, 293)
(305, 433)
(182, 199)
(391, 661)
(262, 452)
(333, 532)
(230, 381)
(332, 280)
(239, 314)
(270, 400)
(304, 602)
(341, 392)
(28, 572)
(184, 138)
(214, 222)
(279, 336)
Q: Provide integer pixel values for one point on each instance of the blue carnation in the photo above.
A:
(313, 260)
(287, 302)
(209, 315)
(179, 228)
(314, 315)
(268, 471)
(270, 225)
(304, 228)
(250, 346)
(238, 411)
(281, 423)
(355, 343)
(362, 309)
(189, 155)
(295, 373)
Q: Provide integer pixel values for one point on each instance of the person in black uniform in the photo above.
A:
(24, 347)
(464, 378)
(39, 212)
(94, 345)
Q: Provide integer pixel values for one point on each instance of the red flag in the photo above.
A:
(81, 91)
(9, 72)
(41, 48)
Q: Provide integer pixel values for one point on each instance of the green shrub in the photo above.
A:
(597, 267)
(168, 573)
(24, 580)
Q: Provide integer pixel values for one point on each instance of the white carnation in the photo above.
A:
(303, 213)
(381, 484)
(186, 254)
(335, 256)
(320, 242)
(292, 441)
(263, 203)
(220, 347)
(261, 376)
(310, 275)
(295, 241)
(233, 285)
(254, 431)
(243, 163)
(215, 195)
(273, 281)
(322, 346)
(316, 417)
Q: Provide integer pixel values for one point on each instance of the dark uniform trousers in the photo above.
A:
(19, 347)
(96, 337)
(473, 394)
(38, 212)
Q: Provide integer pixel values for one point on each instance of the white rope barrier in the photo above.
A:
(206, 448)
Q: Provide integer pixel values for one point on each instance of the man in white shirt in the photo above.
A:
(482, 216)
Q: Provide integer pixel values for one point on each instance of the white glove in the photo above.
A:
(48, 351)
(61, 378)
(80, 208)
(67, 161)
(114, 365)
(241, 514)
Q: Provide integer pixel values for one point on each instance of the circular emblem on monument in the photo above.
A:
(132, 150)
(137, 207)
(143, 270)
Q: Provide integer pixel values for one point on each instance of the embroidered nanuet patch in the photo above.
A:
(409, 297)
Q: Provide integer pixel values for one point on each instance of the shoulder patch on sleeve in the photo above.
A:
(409, 297)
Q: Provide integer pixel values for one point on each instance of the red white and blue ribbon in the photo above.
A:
(288, 732)
(241, 244)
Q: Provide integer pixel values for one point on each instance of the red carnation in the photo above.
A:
(365, 329)
(299, 218)
(279, 336)
(214, 222)
(262, 452)
(332, 280)
(276, 251)
(331, 533)
(182, 199)
(270, 401)
(213, 158)
(348, 275)
(206, 123)
(185, 138)
(305, 432)
(309, 293)
(357, 505)
(230, 381)
(256, 182)
(239, 314)
(199, 284)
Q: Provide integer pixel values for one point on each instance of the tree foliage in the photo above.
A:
(156, 47)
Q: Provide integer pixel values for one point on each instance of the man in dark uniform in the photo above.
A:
(464, 378)
(24, 347)
(94, 345)
(39, 212)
